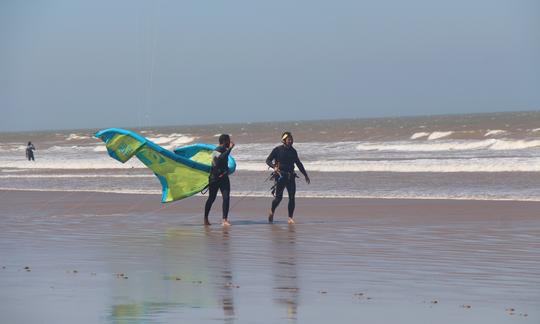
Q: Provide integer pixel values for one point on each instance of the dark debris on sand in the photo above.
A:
(121, 275)
(231, 285)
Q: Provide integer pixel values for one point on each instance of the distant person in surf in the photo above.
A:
(30, 148)
(219, 178)
(282, 159)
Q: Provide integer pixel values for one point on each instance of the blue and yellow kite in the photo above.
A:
(182, 173)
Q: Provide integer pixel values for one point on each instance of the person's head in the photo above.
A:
(287, 138)
(29, 143)
(225, 140)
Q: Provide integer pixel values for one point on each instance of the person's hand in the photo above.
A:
(231, 145)
(308, 180)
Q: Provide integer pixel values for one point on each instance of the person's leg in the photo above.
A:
(291, 190)
(212, 193)
(280, 186)
(225, 188)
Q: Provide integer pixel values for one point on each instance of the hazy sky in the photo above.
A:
(104, 63)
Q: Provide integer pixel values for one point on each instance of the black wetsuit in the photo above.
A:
(287, 157)
(30, 152)
(219, 179)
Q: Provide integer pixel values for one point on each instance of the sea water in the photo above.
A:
(482, 156)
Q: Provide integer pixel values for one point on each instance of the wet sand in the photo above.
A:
(112, 258)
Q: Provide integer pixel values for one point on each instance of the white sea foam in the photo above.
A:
(167, 142)
(122, 191)
(406, 146)
(416, 165)
(450, 145)
(490, 164)
(160, 140)
(73, 176)
(181, 140)
(437, 135)
(536, 130)
(391, 156)
(12, 148)
(495, 132)
(56, 163)
(58, 148)
(76, 137)
(100, 148)
(172, 140)
(419, 135)
(514, 145)
(301, 194)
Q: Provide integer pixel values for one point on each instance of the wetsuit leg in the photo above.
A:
(291, 190)
(225, 188)
(212, 193)
(280, 186)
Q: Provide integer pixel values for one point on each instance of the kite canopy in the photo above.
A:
(182, 173)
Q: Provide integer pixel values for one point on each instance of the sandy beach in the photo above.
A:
(72, 257)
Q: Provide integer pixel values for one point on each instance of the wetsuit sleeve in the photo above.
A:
(300, 165)
(270, 159)
(224, 155)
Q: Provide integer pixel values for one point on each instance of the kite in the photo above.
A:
(182, 173)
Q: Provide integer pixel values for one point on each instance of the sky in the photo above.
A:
(68, 64)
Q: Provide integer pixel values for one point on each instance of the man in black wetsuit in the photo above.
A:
(282, 160)
(30, 148)
(219, 178)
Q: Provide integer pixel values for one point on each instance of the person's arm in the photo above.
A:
(225, 155)
(301, 168)
(270, 159)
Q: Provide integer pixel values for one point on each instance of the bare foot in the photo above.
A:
(206, 222)
(290, 221)
(225, 223)
(270, 217)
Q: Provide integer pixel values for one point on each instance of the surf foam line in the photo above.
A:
(78, 176)
(481, 165)
(309, 196)
(449, 145)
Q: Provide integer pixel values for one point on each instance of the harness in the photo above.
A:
(280, 176)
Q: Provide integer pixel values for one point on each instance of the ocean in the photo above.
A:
(492, 156)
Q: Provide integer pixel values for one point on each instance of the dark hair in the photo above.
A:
(224, 138)
(285, 135)
(29, 143)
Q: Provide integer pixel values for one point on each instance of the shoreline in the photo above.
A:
(242, 195)
(100, 203)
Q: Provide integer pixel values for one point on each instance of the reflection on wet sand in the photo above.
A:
(219, 254)
(383, 262)
(172, 284)
(196, 274)
(284, 271)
